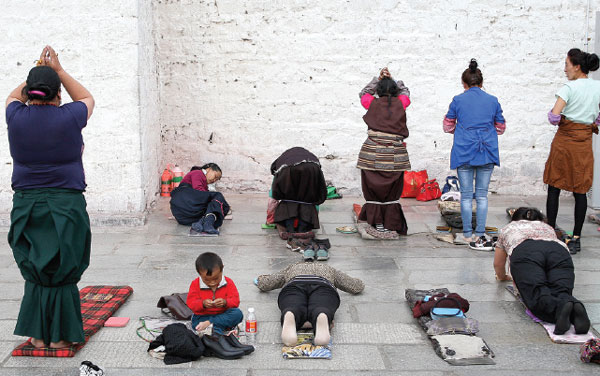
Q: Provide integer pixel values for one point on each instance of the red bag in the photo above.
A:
(412, 182)
(430, 190)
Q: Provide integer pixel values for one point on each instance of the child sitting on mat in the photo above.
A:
(212, 297)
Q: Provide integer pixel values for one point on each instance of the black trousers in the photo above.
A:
(189, 205)
(307, 300)
(544, 274)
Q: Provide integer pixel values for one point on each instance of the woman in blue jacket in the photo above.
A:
(476, 120)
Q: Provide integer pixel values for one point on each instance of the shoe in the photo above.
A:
(296, 244)
(247, 349)
(214, 348)
(379, 227)
(88, 368)
(209, 224)
(461, 239)
(482, 244)
(226, 344)
(322, 243)
(322, 254)
(574, 245)
(309, 254)
(198, 226)
(579, 318)
(563, 319)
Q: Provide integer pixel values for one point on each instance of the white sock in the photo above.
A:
(288, 332)
(322, 336)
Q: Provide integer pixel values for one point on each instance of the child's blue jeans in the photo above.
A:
(222, 321)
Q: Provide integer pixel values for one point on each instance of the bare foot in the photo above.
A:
(289, 336)
(38, 343)
(60, 344)
(202, 325)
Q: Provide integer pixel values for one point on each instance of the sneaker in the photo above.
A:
(461, 239)
(379, 227)
(88, 368)
(482, 244)
(309, 254)
(574, 245)
(322, 254)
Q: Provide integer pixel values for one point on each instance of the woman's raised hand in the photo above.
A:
(49, 57)
(384, 74)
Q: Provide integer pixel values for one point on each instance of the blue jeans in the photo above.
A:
(482, 176)
(222, 321)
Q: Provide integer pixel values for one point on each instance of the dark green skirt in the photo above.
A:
(50, 238)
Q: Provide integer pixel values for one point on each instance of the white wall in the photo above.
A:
(262, 76)
(97, 42)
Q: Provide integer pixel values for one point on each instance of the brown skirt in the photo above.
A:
(383, 186)
(570, 165)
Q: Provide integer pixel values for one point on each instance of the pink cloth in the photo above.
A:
(449, 125)
(500, 128)
(367, 98)
(197, 180)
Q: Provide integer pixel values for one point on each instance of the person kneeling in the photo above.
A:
(542, 270)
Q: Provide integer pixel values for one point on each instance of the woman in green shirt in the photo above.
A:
(570, 165)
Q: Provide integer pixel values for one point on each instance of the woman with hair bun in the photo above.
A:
(570, 165)
(475, 118)
(193, 204)
(383, 157)
(542, 270)
(50, 229)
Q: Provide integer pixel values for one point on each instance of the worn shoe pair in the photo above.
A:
(482, 243)
(572, 313)
(317, 249)
(88, 368)
(296, 244)
(206, 224)
(225, 347)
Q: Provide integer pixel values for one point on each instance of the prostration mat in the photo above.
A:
(456, 349)
(568, 337)
(305, 349)
(98, 303)
(367, 231)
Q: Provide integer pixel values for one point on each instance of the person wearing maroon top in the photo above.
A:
(193, 204)
(212, 297)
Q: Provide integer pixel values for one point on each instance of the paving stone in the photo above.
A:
(266, 356)
(379, 333)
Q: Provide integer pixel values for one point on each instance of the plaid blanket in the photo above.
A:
(98, 303)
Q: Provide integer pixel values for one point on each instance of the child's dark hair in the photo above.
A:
(207, 261)
(212, 166)
(587, 62)
(528, 214)
(472, 75)
(386, 87)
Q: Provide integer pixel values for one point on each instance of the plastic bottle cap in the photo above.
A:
(250, 309)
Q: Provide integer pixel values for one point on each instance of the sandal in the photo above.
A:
(346, 229)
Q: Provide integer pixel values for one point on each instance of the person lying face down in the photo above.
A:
(308, 293)
(542, 270)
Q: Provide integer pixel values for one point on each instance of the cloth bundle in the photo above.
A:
(423, 307)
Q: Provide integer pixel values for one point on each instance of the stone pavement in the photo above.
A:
(374, 332)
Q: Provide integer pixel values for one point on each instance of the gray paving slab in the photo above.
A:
(374, 332)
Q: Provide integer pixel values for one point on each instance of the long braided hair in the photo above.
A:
(386, 87)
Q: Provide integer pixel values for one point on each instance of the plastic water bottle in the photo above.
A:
(251, 327)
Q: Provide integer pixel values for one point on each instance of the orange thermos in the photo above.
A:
(166, 183)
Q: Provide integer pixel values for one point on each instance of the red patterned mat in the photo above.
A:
(98, 303)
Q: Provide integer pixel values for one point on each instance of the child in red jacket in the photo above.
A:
(213, 298)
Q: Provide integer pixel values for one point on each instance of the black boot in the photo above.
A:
(214, 348)
(563, 319)
(247, 349)
(580, 319)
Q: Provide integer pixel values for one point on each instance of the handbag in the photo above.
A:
(452, 185)
(437, 313)
(430, 190)
(174, 305)
(412, 180)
